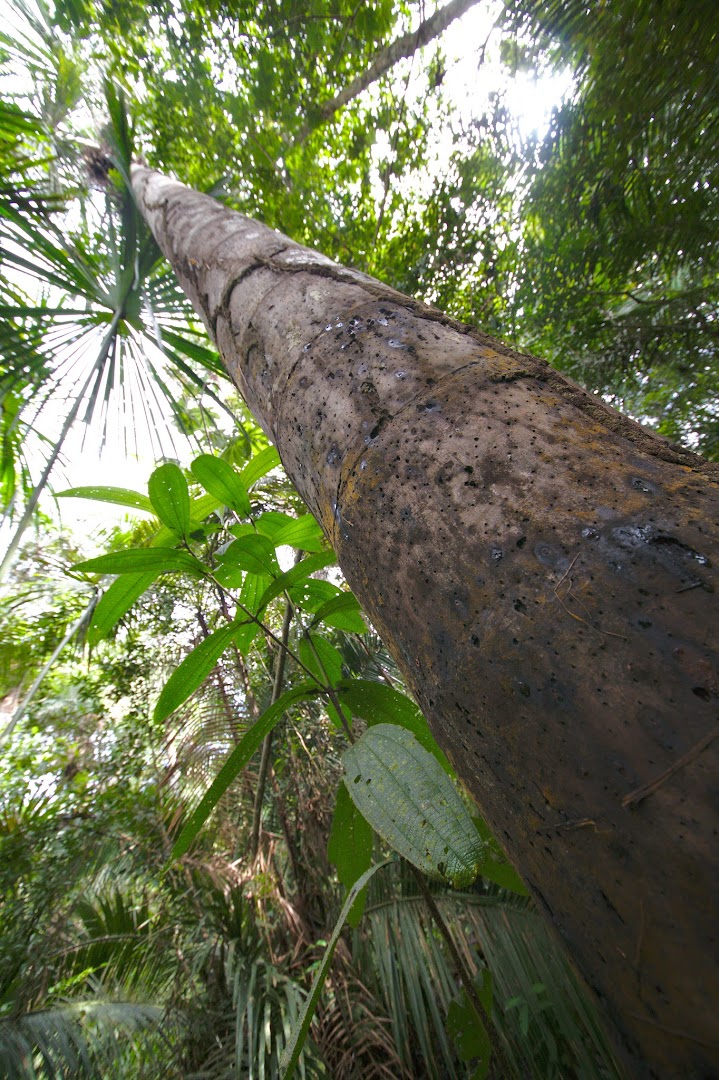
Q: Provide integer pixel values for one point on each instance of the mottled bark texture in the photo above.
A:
(544, 572)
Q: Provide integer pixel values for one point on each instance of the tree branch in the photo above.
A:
(386, 58)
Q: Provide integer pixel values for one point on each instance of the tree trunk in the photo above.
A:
(544, 572)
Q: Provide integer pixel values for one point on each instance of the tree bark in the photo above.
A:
(544, 572)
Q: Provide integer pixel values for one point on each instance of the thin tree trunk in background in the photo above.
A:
(399, 49)
(543, 570)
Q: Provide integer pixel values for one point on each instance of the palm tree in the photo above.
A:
(94, 330)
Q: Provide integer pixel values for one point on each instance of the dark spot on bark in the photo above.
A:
(639, 483)
(549, 555)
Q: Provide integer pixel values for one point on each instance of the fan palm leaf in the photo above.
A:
(88, 313)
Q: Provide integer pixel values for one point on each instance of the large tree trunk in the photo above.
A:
(544, 572)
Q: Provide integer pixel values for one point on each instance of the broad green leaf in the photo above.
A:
(220, 479)
(296, 1041)
(342, 611)
(304, 533)
(321, 658)
(200, 508)
(407, 797)
(193, 670)
(350, 848)
(116, 602)
(170, 497)
(252, 553)
(270, 522)
(312, 593)
(378, 703)
(259, 466)
(120, 496)
(243, 528)
(298, 573)
(237, 760)
(142, 561)
(252, 589)
(466, 1029)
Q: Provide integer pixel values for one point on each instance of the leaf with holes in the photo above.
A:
(407, 797)
(142, 561)
(378, 703)
(116, 495)
(170, 497)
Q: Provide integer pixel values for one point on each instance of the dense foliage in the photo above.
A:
(134, 708)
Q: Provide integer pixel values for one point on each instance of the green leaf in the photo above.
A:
(350, 848)
(142, 561)
(170, 497)
(220, 479)
(407, 798)
(115, 602)
(237, 760)
(312, 593)
(321, 658)
(296, 1041)
(120, 496)
(200, 508)
(252, 553)
(495, 866)
(270, 522)
(304, 533)
(466, 1029)
(378, 703)
(259, 466)
(342, 611)
(252, 589)
(298, 573)
(193, 671)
